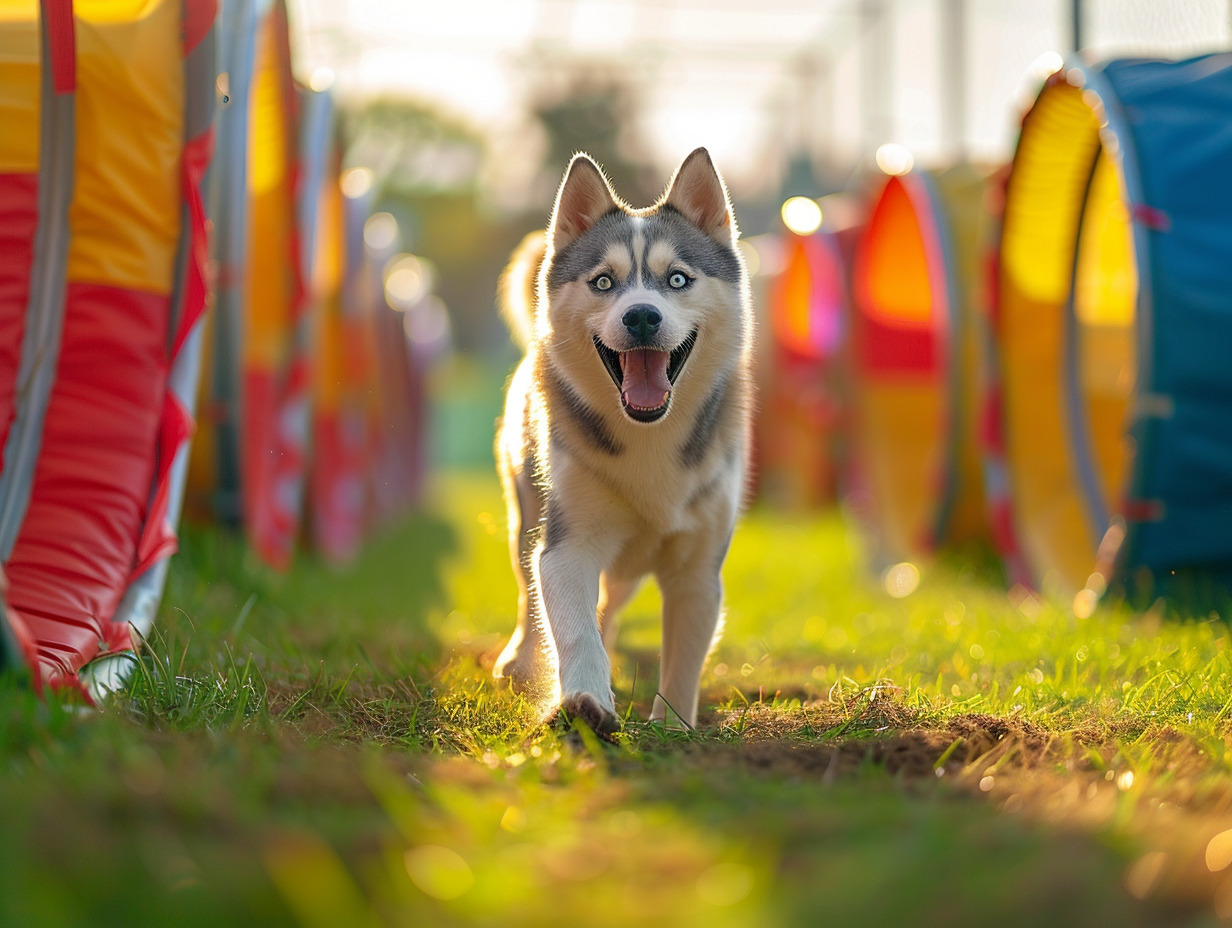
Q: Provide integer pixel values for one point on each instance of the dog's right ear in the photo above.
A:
(584, 197)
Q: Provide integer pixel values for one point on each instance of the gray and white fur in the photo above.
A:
(624, 442)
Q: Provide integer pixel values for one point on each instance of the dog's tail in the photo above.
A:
(517, 295)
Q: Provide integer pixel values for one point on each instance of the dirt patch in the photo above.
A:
(1162, 796)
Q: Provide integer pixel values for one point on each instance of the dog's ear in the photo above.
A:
(584, 197)
(698, 193)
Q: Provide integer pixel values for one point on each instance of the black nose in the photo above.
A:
(642, 321)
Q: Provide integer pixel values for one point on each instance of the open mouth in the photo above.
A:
(645, 376)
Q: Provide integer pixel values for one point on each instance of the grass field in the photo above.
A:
(325, 749)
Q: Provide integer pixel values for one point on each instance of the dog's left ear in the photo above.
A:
(698, 193)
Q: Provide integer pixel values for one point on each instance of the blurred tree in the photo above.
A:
(426, 164)
(587, 106)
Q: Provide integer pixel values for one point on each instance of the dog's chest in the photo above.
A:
(669, 495)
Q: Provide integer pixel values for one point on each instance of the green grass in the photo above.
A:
(325, 748)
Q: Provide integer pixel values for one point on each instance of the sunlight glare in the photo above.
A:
(1046, 65)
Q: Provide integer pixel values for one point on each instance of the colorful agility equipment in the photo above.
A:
(797, 431)
(1114, 328)
(250, 464)
(916, 365)
(343, 343)
(107, 106)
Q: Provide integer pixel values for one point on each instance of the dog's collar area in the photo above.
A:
(615, 368)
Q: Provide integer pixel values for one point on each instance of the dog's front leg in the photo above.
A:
(567, 579)
(692, 605)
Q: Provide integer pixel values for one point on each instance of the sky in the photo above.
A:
(755, 81)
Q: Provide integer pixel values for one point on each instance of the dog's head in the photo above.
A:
(645, 289)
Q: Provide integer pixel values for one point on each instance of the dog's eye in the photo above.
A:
(678, 281)
(602, 282)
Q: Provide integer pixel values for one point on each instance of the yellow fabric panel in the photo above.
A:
(1051, 166)
(1055, 157)
(330, 368)
(1050, 515)
(269, 278)
(267, 152)
(899, 289)
(130, 132)
(1106, 284)
(901, 440)
(19, 86)
(1105, 299)
(102, 12)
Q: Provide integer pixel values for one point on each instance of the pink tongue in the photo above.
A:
(645, 385)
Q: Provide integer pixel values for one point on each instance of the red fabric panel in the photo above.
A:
(197, 156)
(198, 21)
(892, 349)
(76, 550)
(18, 222)
(338, 485)
(58, 15)
(273, 460)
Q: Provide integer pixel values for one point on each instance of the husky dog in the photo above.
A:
(624, 441)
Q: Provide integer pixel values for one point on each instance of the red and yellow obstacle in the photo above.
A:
(802, 403)
(102, 283)
(916, 368)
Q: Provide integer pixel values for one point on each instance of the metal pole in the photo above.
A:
(875, 73)
(1076, 33)
(953, 54)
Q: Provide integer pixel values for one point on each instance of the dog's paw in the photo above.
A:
(523, 669)
(602, 721)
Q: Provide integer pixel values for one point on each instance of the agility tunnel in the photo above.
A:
(106, 107)
(802, 408)
(250, 465)
(343, 352)
(916, 365)
(399, 459)
(1113, 329)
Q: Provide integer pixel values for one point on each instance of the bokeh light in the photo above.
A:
(408, 279)
(356, 183)
(439, 871)
(895, 159)
(381, 232)
(801, 215)
(902, 579)
(322, 79)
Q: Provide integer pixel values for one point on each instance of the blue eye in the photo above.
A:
(602, 282)
(678, 281)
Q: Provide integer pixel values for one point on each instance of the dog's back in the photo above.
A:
(516, 291)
